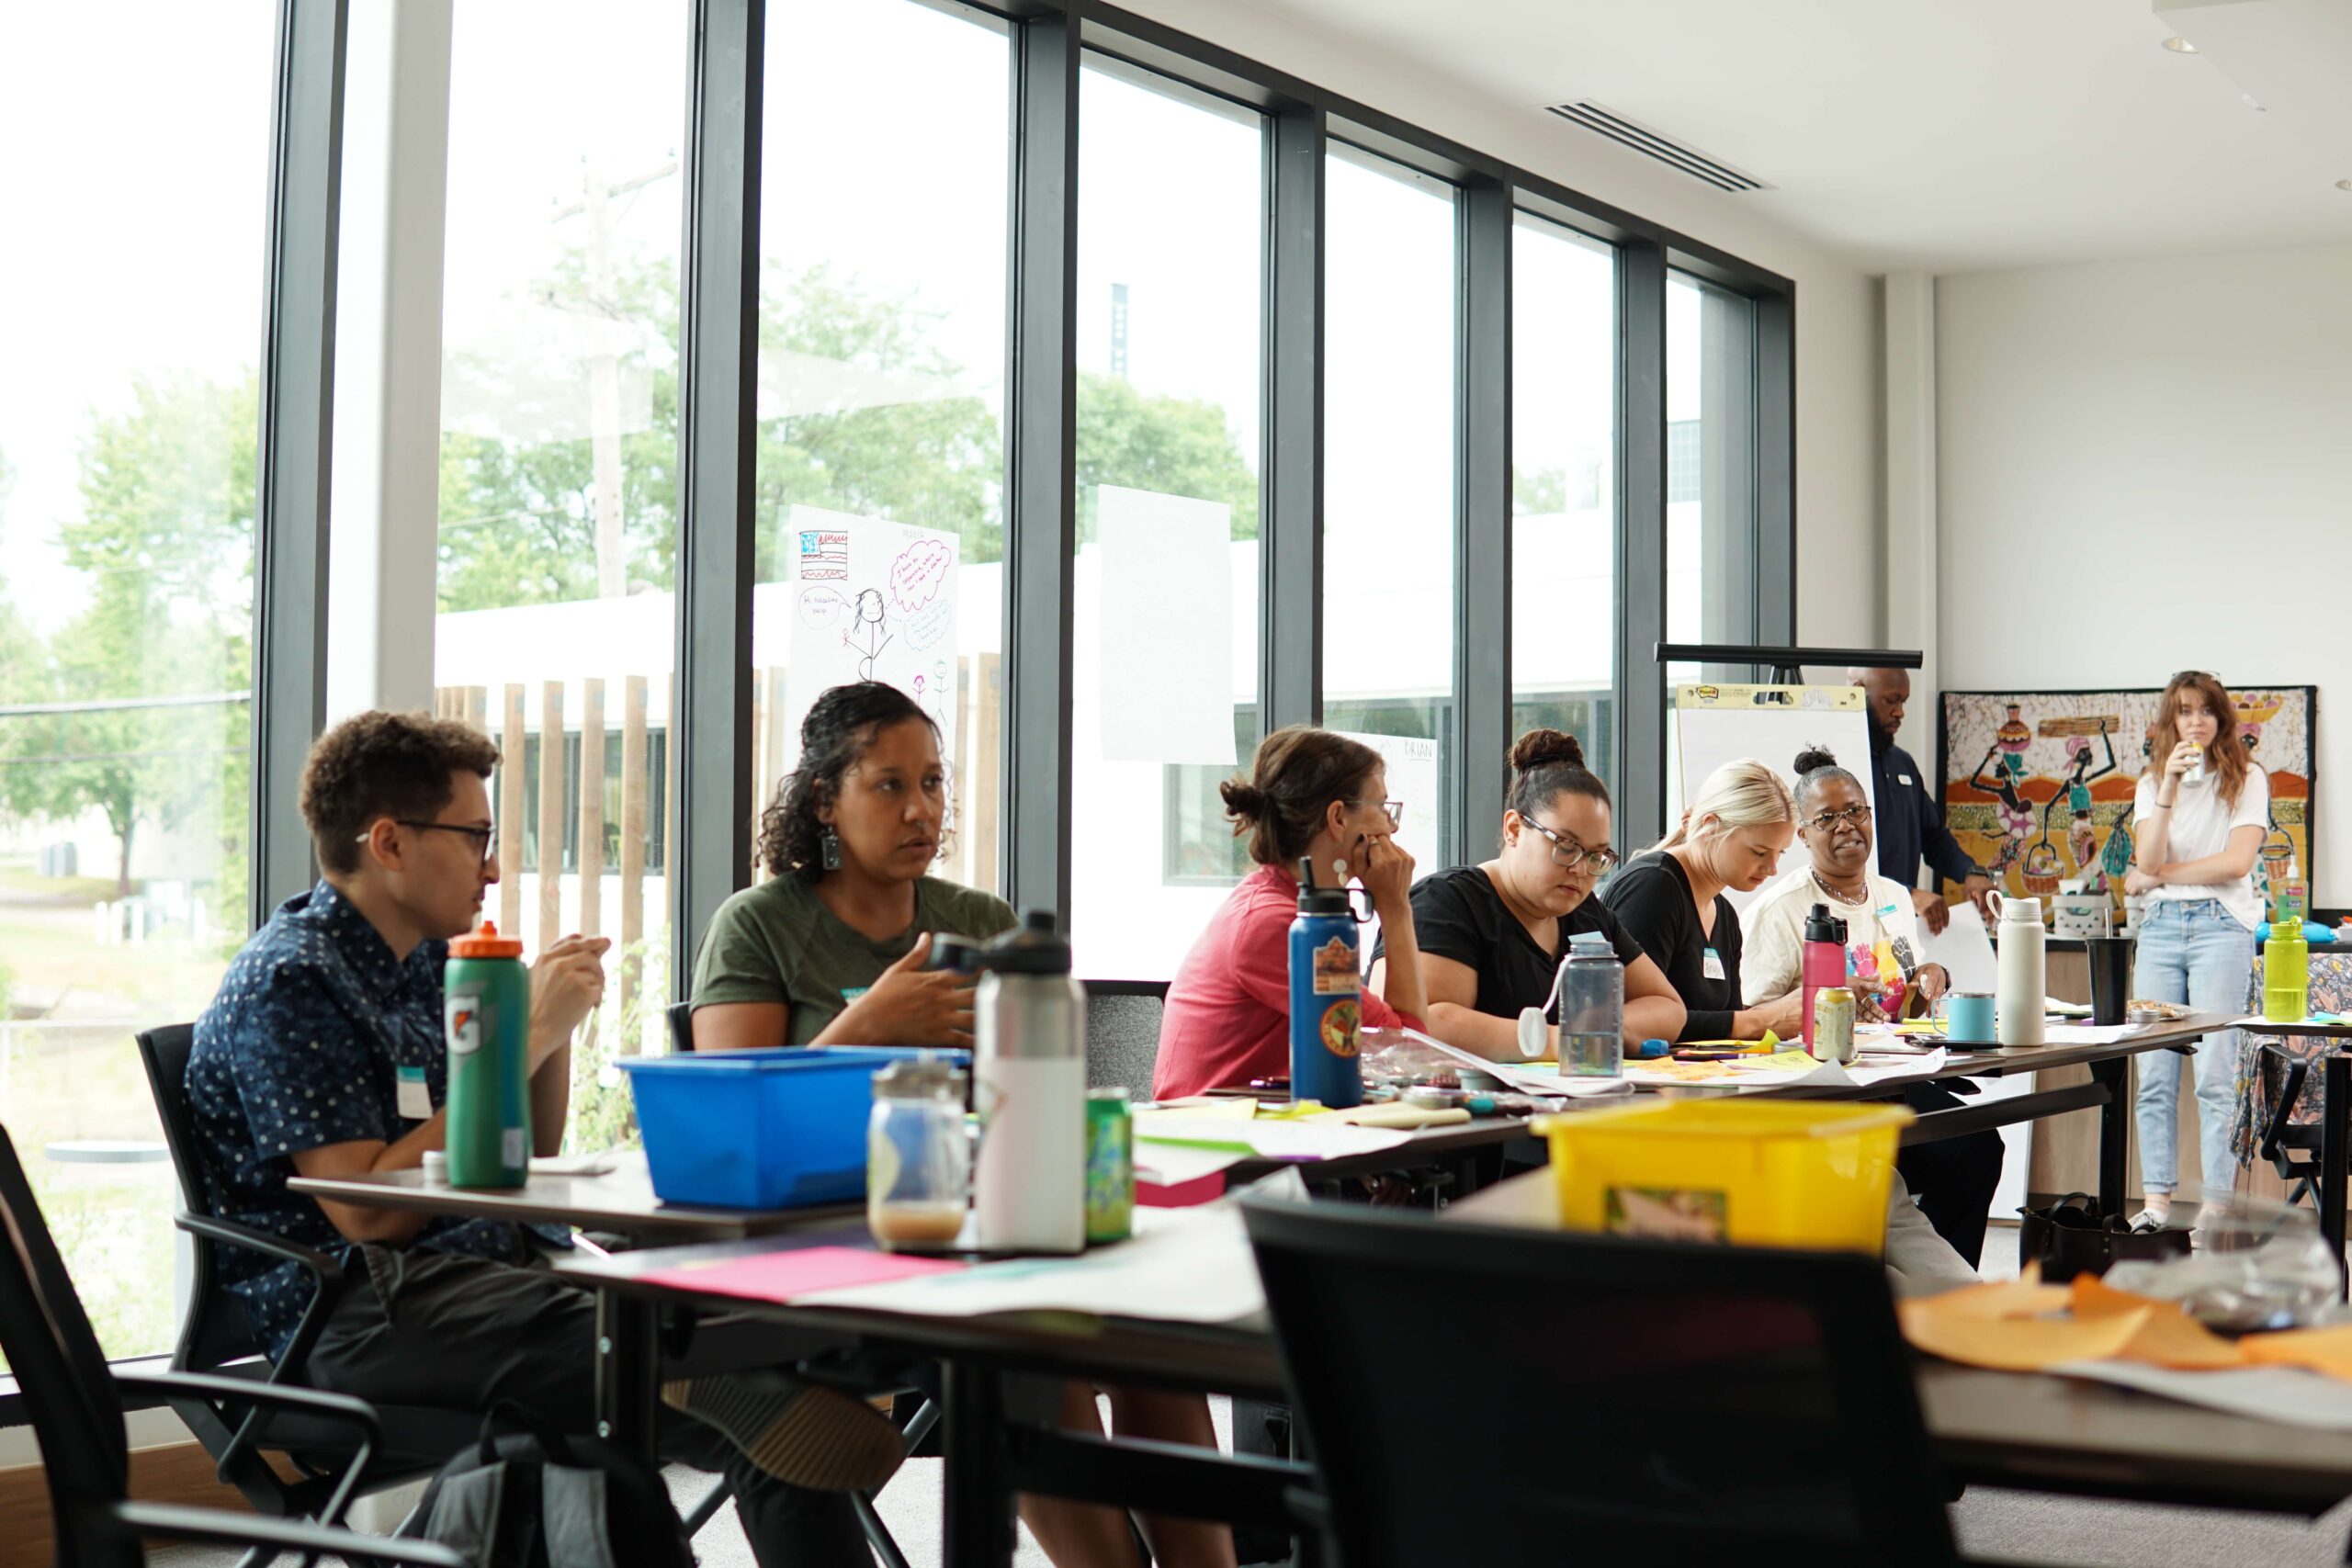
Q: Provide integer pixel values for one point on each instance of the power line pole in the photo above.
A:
(604, 365)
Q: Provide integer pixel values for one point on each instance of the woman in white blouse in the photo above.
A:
(2198, 822)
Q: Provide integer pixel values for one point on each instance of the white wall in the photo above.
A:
(1838, 490)
(2146, 466)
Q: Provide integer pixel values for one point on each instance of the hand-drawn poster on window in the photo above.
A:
(2039, 787)
(872, 601)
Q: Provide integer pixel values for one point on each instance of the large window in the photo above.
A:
(1388, 488)
(1170, 248)
(558, 478)
(1711, 462)
(880, 509)
(1563, 487)
(131, 295)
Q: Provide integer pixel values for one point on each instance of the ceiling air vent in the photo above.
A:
(1650, 144)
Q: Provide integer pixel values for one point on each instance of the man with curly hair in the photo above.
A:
(324, 1055)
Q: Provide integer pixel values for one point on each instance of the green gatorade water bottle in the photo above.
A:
(487, 1010)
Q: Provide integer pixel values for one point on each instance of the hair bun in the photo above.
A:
(1814, 758)
(1542, 747)
(1242, 799)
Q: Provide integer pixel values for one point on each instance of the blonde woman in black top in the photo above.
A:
(1671, 900)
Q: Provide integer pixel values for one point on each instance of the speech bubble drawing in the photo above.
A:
(821, 607)
(919, 573)
(928, 626)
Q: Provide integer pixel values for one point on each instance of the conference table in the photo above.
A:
(2027, 1431)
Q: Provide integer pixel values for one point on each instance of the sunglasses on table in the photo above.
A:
(1853, 816)
(1566, 852)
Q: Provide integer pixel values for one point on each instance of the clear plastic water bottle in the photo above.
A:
(1591, 991)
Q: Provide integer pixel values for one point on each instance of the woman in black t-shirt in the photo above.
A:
(1672, 902)
(1492, 936)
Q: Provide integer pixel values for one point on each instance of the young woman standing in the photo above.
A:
(2198, 819)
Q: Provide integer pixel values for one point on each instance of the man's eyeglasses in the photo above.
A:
(485, 839)
(1854, 815)
(1566, 852)
(1394, 809)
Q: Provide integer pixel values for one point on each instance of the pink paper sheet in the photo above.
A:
(789, 1276)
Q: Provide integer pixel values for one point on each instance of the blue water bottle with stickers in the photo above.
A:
(486, 1011)
(1326, 997)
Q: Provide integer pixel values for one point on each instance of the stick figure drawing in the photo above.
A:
(867, 632)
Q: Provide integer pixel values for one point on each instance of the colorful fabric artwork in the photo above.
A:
(2037, 786)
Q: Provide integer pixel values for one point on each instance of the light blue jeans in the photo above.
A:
(2192, 951)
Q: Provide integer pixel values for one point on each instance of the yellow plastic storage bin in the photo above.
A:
(1753, 1172)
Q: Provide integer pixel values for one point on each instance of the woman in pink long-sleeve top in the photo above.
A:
(1310, 793)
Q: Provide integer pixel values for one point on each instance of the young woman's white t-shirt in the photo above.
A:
(2201, 824)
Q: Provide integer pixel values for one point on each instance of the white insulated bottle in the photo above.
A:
(1029, 1086)
(2021, 982)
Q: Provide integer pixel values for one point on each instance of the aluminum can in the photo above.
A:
(1110, 1167)
(1832, 1024)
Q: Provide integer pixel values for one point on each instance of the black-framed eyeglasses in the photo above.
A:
(1394, 809)
(1855, 816)
(485, 839)
(1566, 852)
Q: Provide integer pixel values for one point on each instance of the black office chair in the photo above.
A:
(681, 1027)
(2292, 1147)
(75, 1401)
(234, 1425)
(1123, 1034)
(1618, 1400)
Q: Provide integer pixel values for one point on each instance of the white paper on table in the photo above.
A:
(1185, 1265)
(1167, 627)
(2296, 1395)
(2087, 1034)
(1822, 1075)
(598, 1164)
(1172, 1165)
(1964, 949)
(1526, 1078)
(1273, 1140)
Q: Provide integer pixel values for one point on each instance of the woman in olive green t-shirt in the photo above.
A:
(830, 950)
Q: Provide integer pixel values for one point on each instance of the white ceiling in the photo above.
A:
(1945, 135)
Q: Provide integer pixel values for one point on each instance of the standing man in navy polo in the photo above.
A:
(1909, 825)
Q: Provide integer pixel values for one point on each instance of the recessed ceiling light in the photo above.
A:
(2344, 185)
(2179, 45)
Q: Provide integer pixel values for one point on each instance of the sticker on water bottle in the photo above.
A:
(511, 1153)
(1339, 1028)
(1335, 970)
(463, 1016)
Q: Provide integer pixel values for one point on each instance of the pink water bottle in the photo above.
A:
(1823, 962)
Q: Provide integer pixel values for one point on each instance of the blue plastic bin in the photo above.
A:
(770, 1129)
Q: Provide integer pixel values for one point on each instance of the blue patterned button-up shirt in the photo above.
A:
(302, 1047)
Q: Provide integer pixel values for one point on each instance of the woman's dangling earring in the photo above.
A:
(828, 850)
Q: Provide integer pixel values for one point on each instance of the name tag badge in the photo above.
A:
(1885, 913)
(415, 1100)
(1903, 778)
(851, 993)
(1713, 967)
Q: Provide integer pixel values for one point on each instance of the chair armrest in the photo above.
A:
(2289, 1092)
(261, 1397)
(170, 1521)
(325, 1270)
(228, 1232)
(251, 1391)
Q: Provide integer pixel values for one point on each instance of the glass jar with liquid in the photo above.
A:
(919, 1155)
